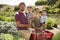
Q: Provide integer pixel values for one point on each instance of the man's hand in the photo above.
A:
(28, 25)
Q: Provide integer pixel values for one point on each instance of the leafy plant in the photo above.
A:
(8, 31)
(50, 23)
(9, 19)
(6, 36)
(10, 37)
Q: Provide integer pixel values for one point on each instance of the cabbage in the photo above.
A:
(10, 37)
(6, 36)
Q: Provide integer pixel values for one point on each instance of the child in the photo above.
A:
(43, 19)
(29, 14)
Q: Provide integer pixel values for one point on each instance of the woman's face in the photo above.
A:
(36, 11)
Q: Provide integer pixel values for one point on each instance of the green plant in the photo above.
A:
(50, 23)
(7, 15)
(1, 5)
(16, 8)
(9, 19)
(10, 32)
(10, 37)
(6, 36)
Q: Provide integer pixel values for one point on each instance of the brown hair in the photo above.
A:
(29, 6)
(44, 10)
(36, 9)
(22, 3)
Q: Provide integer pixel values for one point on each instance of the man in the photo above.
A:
(21, 21)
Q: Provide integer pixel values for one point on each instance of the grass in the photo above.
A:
(57, 37)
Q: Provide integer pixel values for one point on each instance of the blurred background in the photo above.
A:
(9, 7)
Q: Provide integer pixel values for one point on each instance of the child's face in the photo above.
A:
(44, 13)
(29, 9)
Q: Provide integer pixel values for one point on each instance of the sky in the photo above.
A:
(16, 2)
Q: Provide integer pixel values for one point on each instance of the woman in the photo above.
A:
(36, 24)
(37, 33)
(36, 19)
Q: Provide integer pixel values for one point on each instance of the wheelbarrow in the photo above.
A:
(46, 35)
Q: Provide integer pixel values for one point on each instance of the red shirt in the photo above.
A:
(22, 18)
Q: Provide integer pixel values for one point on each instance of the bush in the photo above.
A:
(55, 25)
(9, 32)
(10, 37)
(2, 18)
(10, 19)
(8, 28)
(50, 23)
(16, 9)
(6, 37)
(1, 5)
(7, 15)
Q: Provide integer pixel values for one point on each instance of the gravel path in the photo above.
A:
(55, 31)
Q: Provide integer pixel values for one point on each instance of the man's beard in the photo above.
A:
(22, 10)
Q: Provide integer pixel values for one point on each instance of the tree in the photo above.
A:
(51, 2)
(7, 9)
(53, 5)
(41, 3)
(47, 2)
(16, 9)
(57, 4)
(2, 5)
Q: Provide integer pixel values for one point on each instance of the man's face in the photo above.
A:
(22, 7)
(29, 9)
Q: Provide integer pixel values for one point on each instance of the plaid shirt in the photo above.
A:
(29, 15)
